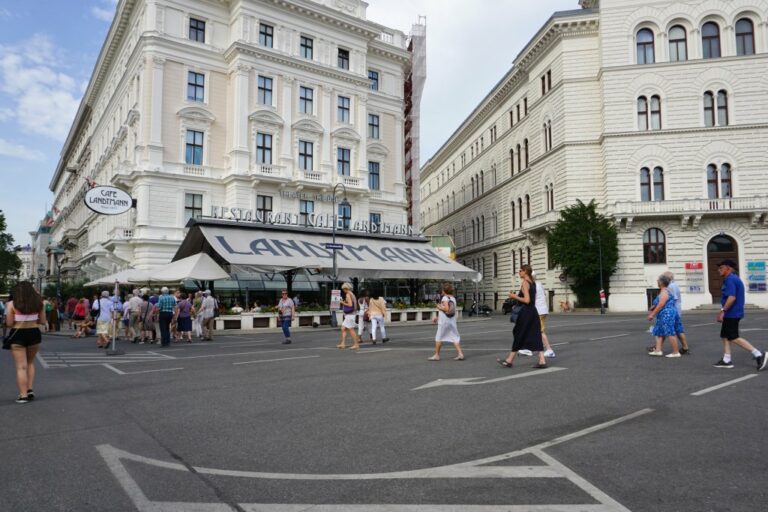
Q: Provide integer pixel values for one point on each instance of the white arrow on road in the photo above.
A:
(473, 381)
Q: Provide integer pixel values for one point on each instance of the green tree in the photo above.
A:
(570, 248)
(10, 264)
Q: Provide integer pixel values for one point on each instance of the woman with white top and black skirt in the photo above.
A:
(24, 316)
(527, 330)
(447, 330)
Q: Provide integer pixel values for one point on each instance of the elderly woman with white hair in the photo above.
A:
(348, 307)
(666, 319)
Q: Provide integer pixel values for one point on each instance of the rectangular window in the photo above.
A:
(373, 126)
(549, 80)
(374, 176)
(517, 109)
(306, 47)
(343, 58)
(305, 155)
(375, 220)
(196, 30)
(194, 149)
(305, 209)
(543, 85)
(306, 98)
(525, 106)
(266, 35)
(345, 216)
(343, 164)
(342, 115)
(263, 206)
(373, 76)
(265, 90)
(193, 206)
(264, 148)
(195, 86)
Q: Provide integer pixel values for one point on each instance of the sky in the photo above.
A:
(48, 49)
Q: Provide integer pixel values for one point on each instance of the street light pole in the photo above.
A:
(40, 274)
(344, 202)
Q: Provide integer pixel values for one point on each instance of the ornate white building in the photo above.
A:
(657, 111)
(253, 104)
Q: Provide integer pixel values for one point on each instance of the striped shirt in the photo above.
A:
(166, 303)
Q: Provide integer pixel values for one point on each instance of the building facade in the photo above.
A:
(657, 112)
(240, 104)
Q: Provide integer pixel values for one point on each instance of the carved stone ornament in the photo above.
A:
(348, 6)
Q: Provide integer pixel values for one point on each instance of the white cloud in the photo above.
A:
(44, 98)
(102, 13)
(6, 114)
(19, 151)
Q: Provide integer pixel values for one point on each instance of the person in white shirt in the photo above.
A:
(105, 307)
(208, 306)
(134, 305)
(543, 309)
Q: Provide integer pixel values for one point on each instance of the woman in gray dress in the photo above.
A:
(447, 331)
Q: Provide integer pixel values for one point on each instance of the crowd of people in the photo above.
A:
(179, 316)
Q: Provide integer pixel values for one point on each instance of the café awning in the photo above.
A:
(199, 267)
(363, 255)
(127, 276)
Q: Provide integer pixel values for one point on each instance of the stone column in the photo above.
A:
(286, 141)
(327, 114)
(239, 155)
(362, 129)
(155, 145)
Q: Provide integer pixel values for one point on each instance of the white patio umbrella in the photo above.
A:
(127, 276)
(199, 267)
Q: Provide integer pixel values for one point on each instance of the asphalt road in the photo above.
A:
(247, 424)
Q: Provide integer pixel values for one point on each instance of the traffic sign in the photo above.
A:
(337, 247)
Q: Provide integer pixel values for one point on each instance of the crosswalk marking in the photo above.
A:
(79, 359)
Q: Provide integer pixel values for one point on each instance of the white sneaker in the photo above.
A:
(549, 353)
(673, 354)
(657, 353)
(525, 352)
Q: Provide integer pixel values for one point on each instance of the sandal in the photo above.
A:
(458, 358)
(504, 363)
(540, 366)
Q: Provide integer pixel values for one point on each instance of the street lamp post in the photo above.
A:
(40, 275)
(344, 203)
(600, 263)
(56, 253)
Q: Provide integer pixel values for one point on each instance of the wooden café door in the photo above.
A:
(718, 249)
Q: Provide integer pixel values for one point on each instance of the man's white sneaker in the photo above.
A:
(549, 353)
(525, 352)
(657, 353)
(673, 354)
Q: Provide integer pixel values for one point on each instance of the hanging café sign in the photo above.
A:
(108, 200)
(312, 220)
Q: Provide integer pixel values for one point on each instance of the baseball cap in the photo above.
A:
(207, 292)
(727, 262)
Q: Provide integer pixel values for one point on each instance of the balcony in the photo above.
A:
(195, 170)
(693, 210)
(309, 177)
(351, 181)
(540, 223)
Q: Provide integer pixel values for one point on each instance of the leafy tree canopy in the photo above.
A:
(10, 264)
(570, 248)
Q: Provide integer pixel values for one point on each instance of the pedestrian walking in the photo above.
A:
(286, 313)
(731, 313)
(543, 309)
(183, 316)
(527, 331)
(674, 291)
(209, 307)
(24, 315)
(363, 318)
(447, 330)
(377, 311)
(148, 314)
(197, 317)
(103, 308)
(665, 313)
(78, 317)
(54, 321)
(349, 324)
(135, 304)
(165, 306)
(70, 311)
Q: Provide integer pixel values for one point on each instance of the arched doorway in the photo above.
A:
(718, 249)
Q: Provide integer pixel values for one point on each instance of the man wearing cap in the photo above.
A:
(165, 305)
(731, 312)
(208, 306)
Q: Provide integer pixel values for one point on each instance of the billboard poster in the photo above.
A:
(756, 276)
(694, 276)
(335, 300)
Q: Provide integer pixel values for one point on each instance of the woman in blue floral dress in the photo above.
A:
(666, 319)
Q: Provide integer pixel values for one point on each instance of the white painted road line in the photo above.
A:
(473, 381)
(242, 353)
(702, 325)
(42, 361)
(373, 351)
(609, 337)
(273, 360)
(120, 372)
(723, 385)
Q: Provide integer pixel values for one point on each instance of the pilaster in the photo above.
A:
(155, 146)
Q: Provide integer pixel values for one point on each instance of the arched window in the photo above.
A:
(512, 215)
(645, 184)
(549, 133)
(520, 253)
(482, 182)
(726, 183)
(453, 197)
(654, 246)
(473, 231)
(513, 258)
(655, 113)
(709, 109)
(658, 184)
(642, 113)
(719, 183)
(678, 44)
(528, 254)
(710, 40)
(713, 188)
(552, 196)
(745, 37)
(495, 224)
(525, 145)
(511, 162)
(472, 180)
(544, 137)
(495, 265)
(520, 209)
(519, 159)
(546, 195)
(645, 54)
(482, 227)
(722, 108)
(527, 206)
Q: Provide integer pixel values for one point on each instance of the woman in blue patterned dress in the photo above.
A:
(666, 319)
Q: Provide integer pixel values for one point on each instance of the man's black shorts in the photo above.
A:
(730, 328)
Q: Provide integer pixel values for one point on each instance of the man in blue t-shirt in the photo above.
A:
(731, 313)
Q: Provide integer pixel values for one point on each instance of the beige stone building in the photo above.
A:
(657, 111)
(247, 104)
